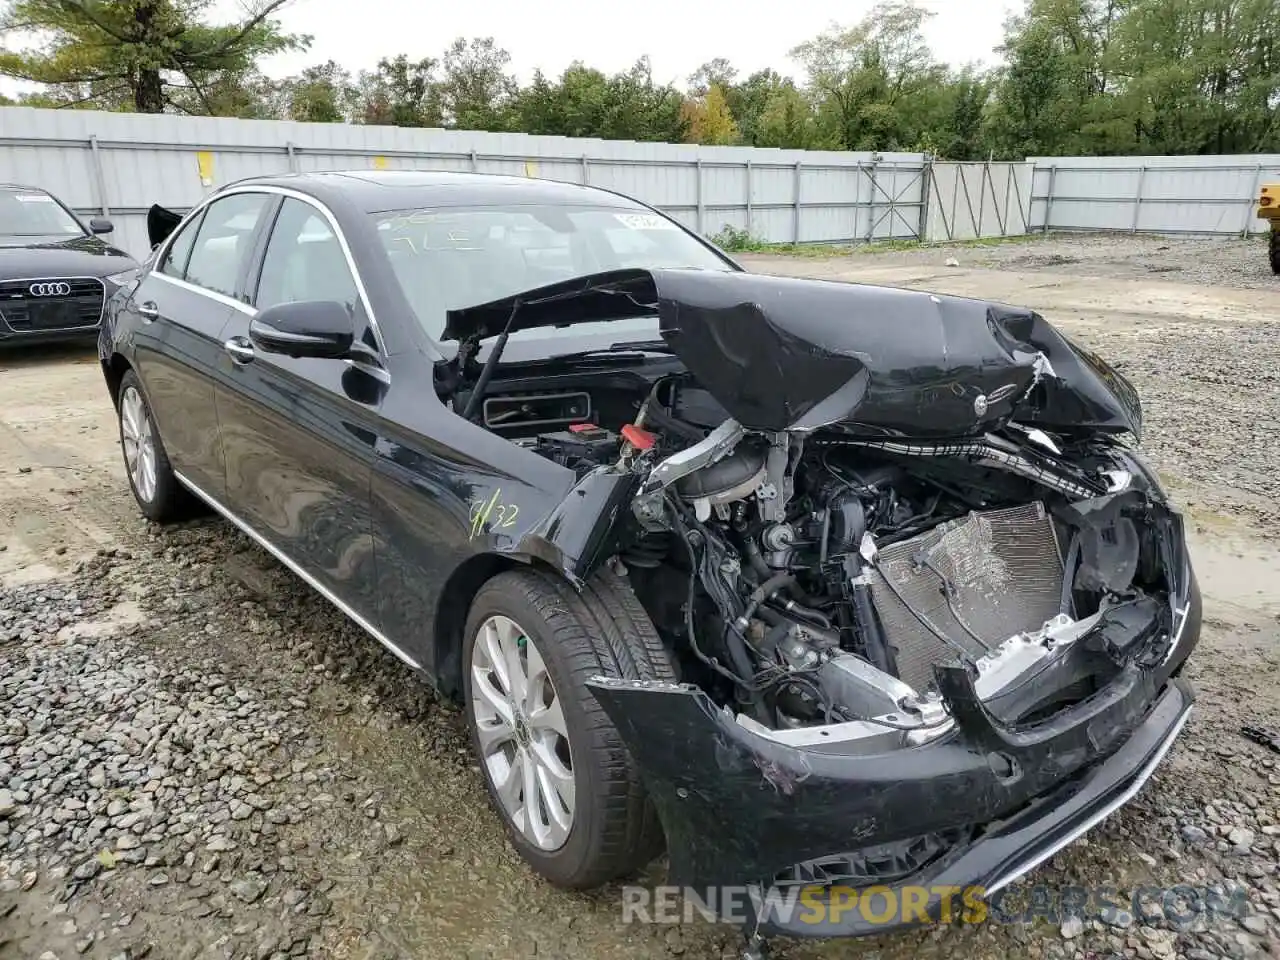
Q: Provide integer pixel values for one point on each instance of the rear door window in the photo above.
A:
(175, 259)
(224, 242)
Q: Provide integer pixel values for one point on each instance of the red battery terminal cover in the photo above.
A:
(638, 438)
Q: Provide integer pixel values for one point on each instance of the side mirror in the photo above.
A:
(322, 329)
(100, 225)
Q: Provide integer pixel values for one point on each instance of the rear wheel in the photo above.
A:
(159, 493)
(554, 764)
(1273, 251)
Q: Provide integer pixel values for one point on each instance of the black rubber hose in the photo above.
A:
(659, 416)
(808, 613)
(737, 648)
(776, 618)
(826, 536)
(754, 557)
(765, 590)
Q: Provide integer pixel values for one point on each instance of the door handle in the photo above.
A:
(239, 349)
(148, 311)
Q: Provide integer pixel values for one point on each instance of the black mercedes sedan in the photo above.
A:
(55, 272)
(824, 586)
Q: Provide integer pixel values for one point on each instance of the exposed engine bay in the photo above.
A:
(811, 582)
(924, 606)
(824, 519)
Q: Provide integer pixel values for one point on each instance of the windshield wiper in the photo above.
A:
(627, 346)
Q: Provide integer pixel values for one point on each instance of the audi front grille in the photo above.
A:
(45, 304)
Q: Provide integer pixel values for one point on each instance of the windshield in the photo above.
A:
(454, 257)
(30, 213)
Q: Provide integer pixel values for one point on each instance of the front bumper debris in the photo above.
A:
(977, 807)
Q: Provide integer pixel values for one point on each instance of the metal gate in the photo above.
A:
(969, 201)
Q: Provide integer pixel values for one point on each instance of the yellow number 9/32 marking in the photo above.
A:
(482, 510)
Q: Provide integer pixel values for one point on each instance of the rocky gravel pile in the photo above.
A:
(120, 774)
(1221, 262)
(194, 762)
(1211, 408)
(1217, 262)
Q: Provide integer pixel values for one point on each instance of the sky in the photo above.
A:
(678, 35)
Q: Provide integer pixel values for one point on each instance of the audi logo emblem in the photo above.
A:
(49, 289)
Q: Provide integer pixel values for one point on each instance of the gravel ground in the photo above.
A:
(199, 758)
(1230, 262)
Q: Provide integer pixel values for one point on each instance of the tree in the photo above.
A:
(585, 102)
(714, 73)
(787, 120)
(708, 118)
(1057, 91)
(320, 94)
(1199, 76)
(476, 90)
(401, 92)
(865, 78)
(101, 50)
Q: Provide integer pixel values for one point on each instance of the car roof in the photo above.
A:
(23, 186)
(377, 190)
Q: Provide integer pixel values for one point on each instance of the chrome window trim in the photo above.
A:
(102, 310)
(296, 195)
(301, 573)
(205, 291)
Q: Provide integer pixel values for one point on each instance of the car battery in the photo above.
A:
(582, 441)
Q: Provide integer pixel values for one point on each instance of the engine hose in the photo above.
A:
(826, 537)
(777, 633)
(756, 559)
(767, 589)
(778, 619)
(807, 613)
(737, 648)
(659, 416)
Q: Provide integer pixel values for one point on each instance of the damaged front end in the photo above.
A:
(929, 607)
(905, 677)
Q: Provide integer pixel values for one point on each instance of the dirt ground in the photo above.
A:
(200, 758)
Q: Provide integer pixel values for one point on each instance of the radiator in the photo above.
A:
(1006, 570)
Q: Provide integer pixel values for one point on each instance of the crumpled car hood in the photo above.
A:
(781, 353)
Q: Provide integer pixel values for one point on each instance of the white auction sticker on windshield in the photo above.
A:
(644, 221)
(34, 198)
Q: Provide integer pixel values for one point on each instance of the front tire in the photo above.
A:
(531, 643)
(1273, 251)
(160, 495)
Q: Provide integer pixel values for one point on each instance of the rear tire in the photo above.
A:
(610, 829)
(160, 494)
(1273, 251)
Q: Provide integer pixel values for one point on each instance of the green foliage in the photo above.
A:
(476, 91)
(151, 54)
(734, 240)
(1078, 77)
(586, 103)
(401, 93)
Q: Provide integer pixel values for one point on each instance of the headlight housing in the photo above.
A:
(124, 278)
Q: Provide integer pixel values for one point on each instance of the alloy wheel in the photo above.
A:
(139, 443)
(520, 726)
